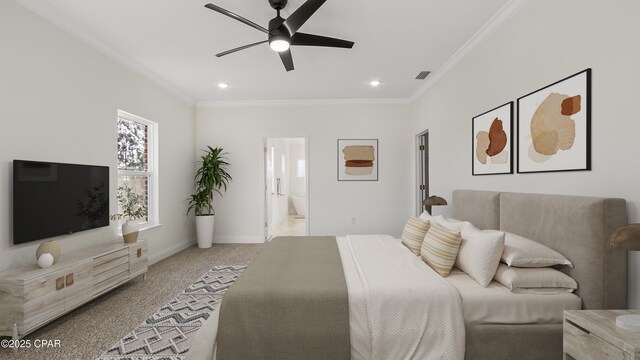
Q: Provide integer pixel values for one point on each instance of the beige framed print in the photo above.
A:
(357, 159)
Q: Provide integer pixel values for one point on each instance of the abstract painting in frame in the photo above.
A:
(493, 141)
(358, 160)
(554, 126)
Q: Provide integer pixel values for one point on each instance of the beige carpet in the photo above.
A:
(89, 330)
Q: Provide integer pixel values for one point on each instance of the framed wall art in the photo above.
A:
(493, 141)
(358, 160)
(554, 126)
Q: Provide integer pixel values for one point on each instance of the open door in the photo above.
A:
(285, 178)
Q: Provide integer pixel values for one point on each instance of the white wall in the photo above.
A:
(547, 41)
(58, 102)
(378, 206)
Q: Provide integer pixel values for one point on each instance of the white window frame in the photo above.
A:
(153, 215)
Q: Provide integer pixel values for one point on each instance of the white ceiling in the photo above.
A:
(176, 41)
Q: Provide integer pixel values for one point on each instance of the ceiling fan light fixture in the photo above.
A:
(279, 43)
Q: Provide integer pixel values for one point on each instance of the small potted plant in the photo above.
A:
(133, 206)
(211, 177)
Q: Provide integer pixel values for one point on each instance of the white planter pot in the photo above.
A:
(130, 231)
(204, 230)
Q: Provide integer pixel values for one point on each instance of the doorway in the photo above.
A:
(286, 184)
(422, 175)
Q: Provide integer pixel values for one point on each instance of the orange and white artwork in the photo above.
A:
(554, 126)
(357, 159)
(492, 141)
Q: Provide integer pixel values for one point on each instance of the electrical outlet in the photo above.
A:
(353, 220)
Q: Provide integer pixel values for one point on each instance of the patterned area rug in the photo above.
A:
(168, 333)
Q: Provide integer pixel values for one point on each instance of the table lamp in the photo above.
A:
(627, 238)
(433, 201)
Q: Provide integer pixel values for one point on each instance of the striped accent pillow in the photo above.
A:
(413, 234)
(440, 248)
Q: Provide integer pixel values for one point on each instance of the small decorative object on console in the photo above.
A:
(47, 254)
(133, 207)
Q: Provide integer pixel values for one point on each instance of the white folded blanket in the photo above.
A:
(399, 308)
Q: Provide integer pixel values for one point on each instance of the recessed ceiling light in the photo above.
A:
(375, 83)
(223, 85)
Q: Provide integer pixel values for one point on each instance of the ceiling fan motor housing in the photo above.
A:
(276, 30)
(278, 4)
(283, 33)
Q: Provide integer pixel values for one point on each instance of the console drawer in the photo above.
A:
(109, 257)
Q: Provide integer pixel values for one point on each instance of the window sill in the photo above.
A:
(142, 228)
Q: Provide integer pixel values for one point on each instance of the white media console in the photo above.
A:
(31, 297)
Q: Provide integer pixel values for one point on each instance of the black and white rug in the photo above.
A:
(167, 334)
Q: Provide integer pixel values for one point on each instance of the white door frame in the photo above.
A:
(418, 158)
(264, 186)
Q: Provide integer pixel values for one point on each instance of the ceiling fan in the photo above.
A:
(283, 33)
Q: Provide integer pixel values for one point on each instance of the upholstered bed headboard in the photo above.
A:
(481, 208)
(576, 226)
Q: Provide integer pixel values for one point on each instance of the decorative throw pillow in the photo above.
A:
(535, 280)
(480, 253)
(413, 234)
(522, 252)
(440, 248)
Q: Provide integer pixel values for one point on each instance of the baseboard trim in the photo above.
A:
(161, 255)
(238, 240)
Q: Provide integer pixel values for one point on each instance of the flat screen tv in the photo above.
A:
(51, 199)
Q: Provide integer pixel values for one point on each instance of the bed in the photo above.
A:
(457, 324)
(576, 226)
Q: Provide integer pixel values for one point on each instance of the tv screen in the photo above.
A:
(51, 199)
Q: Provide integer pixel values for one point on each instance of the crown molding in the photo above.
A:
(60, 20)
(497, 21)
(302, 102)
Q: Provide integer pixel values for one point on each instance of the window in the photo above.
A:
(137, 162)
(301, 169)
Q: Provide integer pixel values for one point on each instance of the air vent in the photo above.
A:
(423, 75)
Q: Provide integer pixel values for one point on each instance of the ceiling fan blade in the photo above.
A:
(302, 14)
(240, 48)
(302, 39)
(236, 17)
(287, 60)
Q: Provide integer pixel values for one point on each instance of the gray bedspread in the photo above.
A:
(291, 303)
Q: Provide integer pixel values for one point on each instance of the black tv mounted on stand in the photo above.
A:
(51, 199)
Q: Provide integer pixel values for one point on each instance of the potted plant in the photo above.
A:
(211, 177)
(133, 206)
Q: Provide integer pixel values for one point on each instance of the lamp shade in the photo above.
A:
(626, 238)
(434, 201)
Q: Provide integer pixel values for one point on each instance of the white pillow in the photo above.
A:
(535, 280)
(479, 253)
(450, 224)
(522, 252)
(425, 216)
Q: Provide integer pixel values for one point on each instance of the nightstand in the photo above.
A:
(593, 335)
